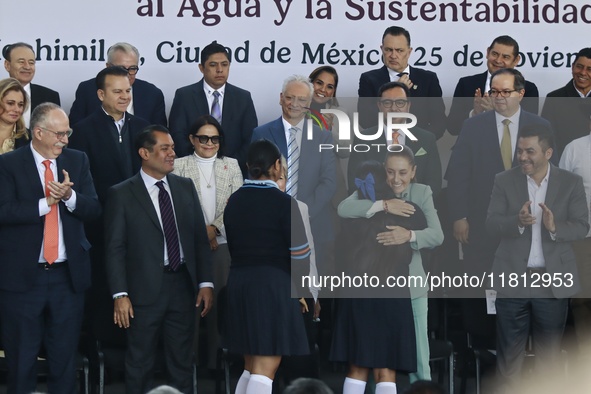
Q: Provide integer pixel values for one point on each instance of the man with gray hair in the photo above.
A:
(147, 101)
(311, 176)
(46, 196)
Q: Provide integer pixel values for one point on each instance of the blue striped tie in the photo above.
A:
(216, 111)
(169, 227)
(293, 163)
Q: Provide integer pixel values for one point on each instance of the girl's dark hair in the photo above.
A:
(261, 156)
(205, 120)
(370, 179)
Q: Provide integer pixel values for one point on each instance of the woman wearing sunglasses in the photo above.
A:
(215, 177)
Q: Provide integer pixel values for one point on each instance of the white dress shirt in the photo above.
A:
(44, 209)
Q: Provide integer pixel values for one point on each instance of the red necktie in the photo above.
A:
(395, 135)
(51, 230)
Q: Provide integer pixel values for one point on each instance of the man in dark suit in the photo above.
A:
(396, 50)
(568, 108)
(19, 61)
(316, 178)
(393, 97)
(536, 210)
(107, 136)
(158, 262)
(471, 95)
(212, 95)
(46, 195)
(147, 101)
(484, 148)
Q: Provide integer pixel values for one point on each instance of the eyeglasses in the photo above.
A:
(302, 101)
(131, 70)
(502, 93)
(204, 138)
(59, 134)
(387, 103)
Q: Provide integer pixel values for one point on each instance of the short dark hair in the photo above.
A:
(8, 49)
(542, 131)
(331, 70)
(518, 81)
(508, 41)
(117, 71)
(405, 152)
(391, 85)
(205, 120)
(382, 190)
(146, 138)
(307, 386)
(585, 52)
(262, 154)
(211, 49)
(397, 31)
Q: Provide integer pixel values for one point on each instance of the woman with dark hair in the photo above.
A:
(375, 333)
(215, 177)
(13, 103)
(266, 238)
(400, 172)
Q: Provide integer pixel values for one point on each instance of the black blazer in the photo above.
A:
(21, 228)
(239, 119)
(41, 94)
(135, 239)
(462, 103)
(569, 114)
(97, 136)
(430, 113)
(148, 102)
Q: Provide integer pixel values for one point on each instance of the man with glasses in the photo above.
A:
(46, 196)
(485, 147)
(471, 94)
(20, 63)
(394, 97)
(147, 101)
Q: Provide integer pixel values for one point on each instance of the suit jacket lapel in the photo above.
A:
(139, 191)
(221, 185)
(482, 81)
(200, 100)
(31, 172)
(553, 186)
(278, 136)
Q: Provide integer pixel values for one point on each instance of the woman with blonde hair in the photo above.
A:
(13, 103)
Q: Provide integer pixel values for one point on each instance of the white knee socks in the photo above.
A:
(386, 388)
(242, 382)
(259, 384)
(354, 386)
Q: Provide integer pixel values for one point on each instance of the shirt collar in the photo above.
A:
(287, 125)
(544, 180)
(266, 182)
(209, 90)
(151, 181)
(513, 118)
(40, 159)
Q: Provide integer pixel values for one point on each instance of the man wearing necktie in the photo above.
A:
(485, 147)
(423, 84)
(311, 173)
(46, 196)
(158, 264)
(230, 105)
